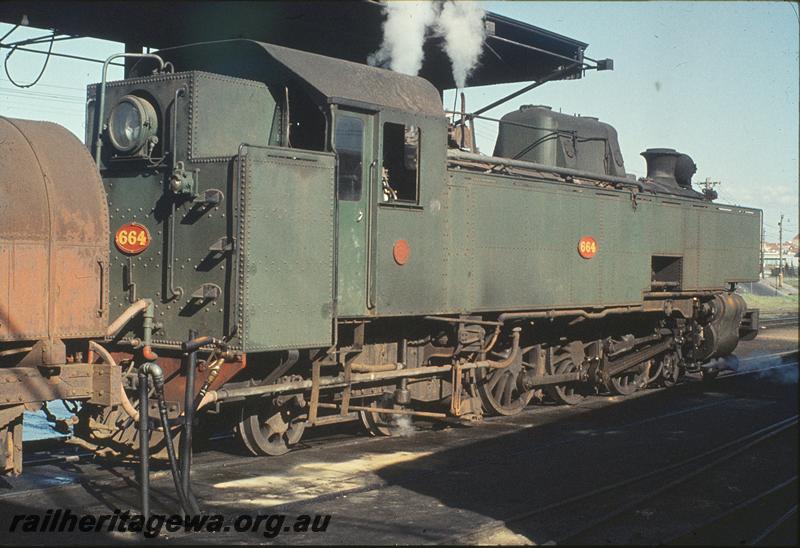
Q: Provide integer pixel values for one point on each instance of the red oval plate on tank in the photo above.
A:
(587, 247)
(132, 238)
(401, 252)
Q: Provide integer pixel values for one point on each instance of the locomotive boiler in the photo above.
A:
(313, 230)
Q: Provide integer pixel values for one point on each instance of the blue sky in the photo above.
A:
(717, 80)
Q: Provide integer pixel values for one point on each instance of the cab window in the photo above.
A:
(400, 173)
(349, 140)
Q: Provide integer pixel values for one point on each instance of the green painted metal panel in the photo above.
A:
(421, 285)
(215, 114)
(287, 253)
(141, 200)
(525, 246)
(729, 238)
(352, 129)
(227, 112)
(524, 243)
(509, 244)
(691, 242)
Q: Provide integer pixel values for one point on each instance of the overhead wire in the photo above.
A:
(41, 40)
(6, 35)
(41, 73)
(64, 55)
(63, 97)
(54, 86)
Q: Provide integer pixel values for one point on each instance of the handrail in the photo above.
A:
(102, 102)
(472, 157)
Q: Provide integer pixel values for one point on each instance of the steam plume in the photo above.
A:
(404, 35)
(402, 425)
(772, 370)
(460, 24)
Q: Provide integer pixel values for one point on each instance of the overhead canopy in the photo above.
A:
(349, 30)
(332, 80)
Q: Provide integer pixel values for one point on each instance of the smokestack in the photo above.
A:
(667, 165)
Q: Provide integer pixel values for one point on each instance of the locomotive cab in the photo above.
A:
(250, 157)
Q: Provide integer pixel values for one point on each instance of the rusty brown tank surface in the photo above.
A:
(53, 235)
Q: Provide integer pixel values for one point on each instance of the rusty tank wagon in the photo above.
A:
(54, 262)
(291, 240)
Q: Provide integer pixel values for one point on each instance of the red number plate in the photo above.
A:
(587, 247)
(132, 238)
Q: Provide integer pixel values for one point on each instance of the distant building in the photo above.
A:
(771, 253)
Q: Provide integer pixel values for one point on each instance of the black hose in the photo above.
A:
(155, 371)
(173, 464)
(190, 362)
(144, 444)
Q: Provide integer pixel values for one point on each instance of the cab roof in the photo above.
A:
(326, 79)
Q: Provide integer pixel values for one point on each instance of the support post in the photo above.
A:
(780, 252)
(130, 61)
(144, 445)
(190, 364)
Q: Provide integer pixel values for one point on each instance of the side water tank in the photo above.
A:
(53, 235)
(535, 133)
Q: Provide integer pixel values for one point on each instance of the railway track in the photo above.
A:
(781, 321)
(63, 453)
(206, 463)
(752, 520)
(653, 483)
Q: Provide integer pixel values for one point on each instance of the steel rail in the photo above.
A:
(723, 375)
(755, 370)
(489, 420)
(733, 510)
(382, 483)
(770, 323)
(373, 486)
(750, 439)
(764, 434)
(772, 527)
(379, 484)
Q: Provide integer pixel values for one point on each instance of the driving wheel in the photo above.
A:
(272, 428)
(500, 390)
(569, 393)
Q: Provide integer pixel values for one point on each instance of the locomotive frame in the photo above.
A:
(339, 260)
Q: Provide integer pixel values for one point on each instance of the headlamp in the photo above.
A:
(132, 124)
